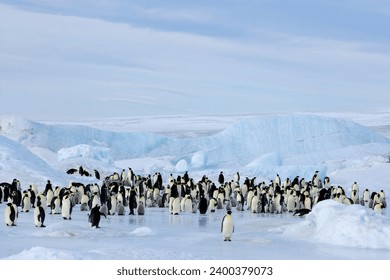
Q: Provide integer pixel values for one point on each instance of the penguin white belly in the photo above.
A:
(113, 208)
(307, 203)
(9, 215)
(291, 203)
(278, 205)
(254, 203)
(188, 205)
(95, 201)
(26, 203)
(39, 216)
(65, 210)
(49, 197)
(84, 199)
(212, 204)
(176, 206)
(378, 208)
(227, 228)
(42, 198)
(57, 207)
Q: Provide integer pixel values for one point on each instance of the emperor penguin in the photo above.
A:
(249, 197)
(66, 209)
(113, 205)
(10, 214)
(227, 226)
(188, 204)
(382, 198)
(120, 208)
(84, 202)
(26, 202)
(327, 182)
(228, 204)
(366, 197)
(213, 204)
(378, 208)
(291, 202)
(202, 205)
(221, 178)
(94, 216)
(277, 180)
(254, 204)
(132, 200)
(141, 208)
(94, 199)
(308, 202)
(355, 197)
(49, 197)
(375, 199)
(42, 199)
(175, 206)
(278, 203)
(315, 178)
(239, 206)
(355, 187)
(237, 178)
(103, 209)
(39, 215)
(55, 205)
(240, 199)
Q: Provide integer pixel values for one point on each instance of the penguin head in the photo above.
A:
(229, 212)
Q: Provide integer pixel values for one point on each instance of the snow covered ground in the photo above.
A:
(346, 147)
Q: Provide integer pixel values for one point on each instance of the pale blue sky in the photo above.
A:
(82, 59)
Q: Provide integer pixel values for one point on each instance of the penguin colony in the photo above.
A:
(127, 193)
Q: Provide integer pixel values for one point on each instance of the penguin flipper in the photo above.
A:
(222, 223)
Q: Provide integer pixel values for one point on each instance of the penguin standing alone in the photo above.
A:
(39, 215)
(94, 216)
(227, 226)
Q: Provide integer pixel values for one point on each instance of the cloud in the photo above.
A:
(195, 15)
(182, 71)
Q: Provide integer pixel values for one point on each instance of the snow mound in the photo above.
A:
(142, 231)
(334, 223)
(42, 253)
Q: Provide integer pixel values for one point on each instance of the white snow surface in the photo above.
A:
(256, 146)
